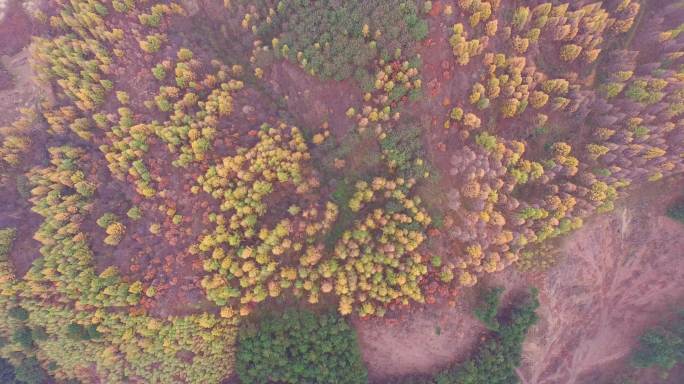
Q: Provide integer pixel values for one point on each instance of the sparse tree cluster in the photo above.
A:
(339, 41)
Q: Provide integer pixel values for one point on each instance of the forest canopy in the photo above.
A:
(198, 191)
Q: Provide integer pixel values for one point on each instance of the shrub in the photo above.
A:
(123, 97)
(496, 360)
(23, 337)
(611, 90)
(18, 313)
(115, 232)
(6, 238)
(134, 213)
(661, 347)
(6, 372)
(471, 121)
(510, 107)
(80, 332)
(155, 228)
(486, 140)
(152, 43)
(456, 114)
(106, 220)
(30, 372)
(569, 52)
(299, 347)
(39, 333)
(643, 91)
(489, 308)
(184, 54)
(538, 99)
(520, 17)
(677, 211)
(159, 72)
(483, 103)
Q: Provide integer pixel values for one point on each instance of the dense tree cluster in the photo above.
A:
(251, 261)
(64, 316)
(299, 347)
(393, 82)
(63, 194)
(379, 261)
(661, 347)
(493, 222)
(374, 263)
(7, 236)
(505, 203)
(479, 20)
(41, 306)
(195, 105)
(78, 60)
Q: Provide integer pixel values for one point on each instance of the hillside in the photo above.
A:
(384, 191)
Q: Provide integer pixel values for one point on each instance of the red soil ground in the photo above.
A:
(312, 101)
(419, 342)
(620, 274)
(18, 89)
(15, 29)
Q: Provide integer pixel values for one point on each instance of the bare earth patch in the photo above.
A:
(419, 342)
(16, 28)
(314, 102)
(620, 274)
(21, 89)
